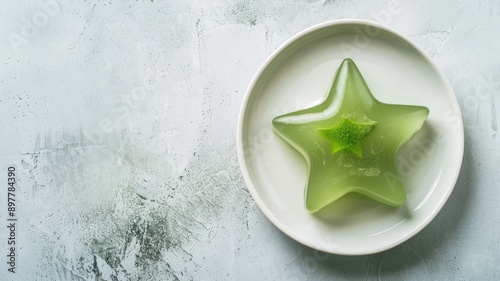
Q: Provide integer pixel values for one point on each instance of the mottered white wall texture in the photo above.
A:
(120, 120)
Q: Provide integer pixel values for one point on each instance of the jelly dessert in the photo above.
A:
(350, 141)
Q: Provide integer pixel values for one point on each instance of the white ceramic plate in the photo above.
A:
(297, 76)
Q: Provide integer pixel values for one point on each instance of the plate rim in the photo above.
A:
(241, 150)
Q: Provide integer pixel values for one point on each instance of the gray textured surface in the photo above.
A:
(121, 117)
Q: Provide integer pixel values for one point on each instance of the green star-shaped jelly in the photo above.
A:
(350, 141)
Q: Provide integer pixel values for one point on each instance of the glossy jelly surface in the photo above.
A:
(350, 141)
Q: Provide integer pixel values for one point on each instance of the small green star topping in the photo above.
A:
(348, 135)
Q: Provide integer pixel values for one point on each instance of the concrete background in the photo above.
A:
(120, 117)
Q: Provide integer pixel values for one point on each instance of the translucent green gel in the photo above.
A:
(350, 141)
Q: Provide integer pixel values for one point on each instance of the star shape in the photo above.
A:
(350, 141)
(348, 135)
